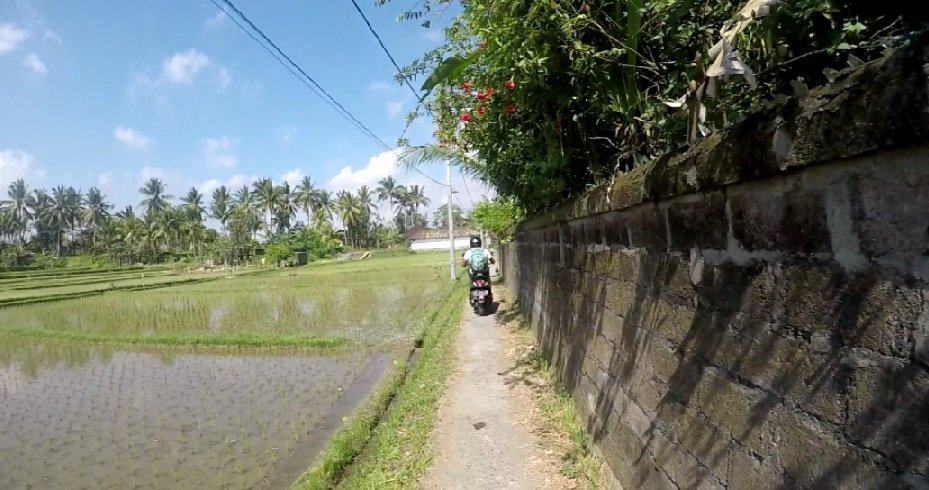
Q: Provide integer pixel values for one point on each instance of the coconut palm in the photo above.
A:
(265, 196)
(245, 199)
(388, 190)
(126, 213)
(305, 195)
(323, 207)
(220, 207)
(8, 226)
(193, 205)
(17, 204)
(284, 206)
(96, 210)
(350, 212)
(156, 199)
(58, 215)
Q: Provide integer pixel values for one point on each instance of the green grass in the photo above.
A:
(370, 302)
(385, 441)
(232, 340)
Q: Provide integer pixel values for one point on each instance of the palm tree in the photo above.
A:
(245, 199)
(96, 209)
(265, 195)
(284, 206)
(305, 195)
(368, 208)
(18, 193)
(8, 226)
(416, 198)
(220, 207)
(126, 213)
(417, 156)
(156, 199)
(350, 212)
(388, 190)
(323, 207)
(58, 214)
(193, 205)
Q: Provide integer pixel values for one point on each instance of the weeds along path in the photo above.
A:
(483, 437)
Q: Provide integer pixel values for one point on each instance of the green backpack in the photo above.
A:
(478, 260)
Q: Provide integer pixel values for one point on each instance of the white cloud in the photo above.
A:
(50, 35)
(131, 137)
(286, 133)
(32, 61)
(293, 177)
(434, 36)
(17, 164)
(394, 108)
(105, 180)
(11, 37)
(148, 172)
(379, 166)
(181, 68)
(184, 68)
(232, 183)
(216, 21)
(217, 152)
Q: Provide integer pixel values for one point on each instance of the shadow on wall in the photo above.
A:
(794, 375)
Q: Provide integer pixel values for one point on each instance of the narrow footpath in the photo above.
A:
(483, 436)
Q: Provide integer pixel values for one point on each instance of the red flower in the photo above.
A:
(466, 87)
(482, 95)
(510, 109)
(481, 110)
(482, 44)
(465, 117)
(510, 85)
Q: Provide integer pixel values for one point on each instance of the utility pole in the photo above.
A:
(451, 226)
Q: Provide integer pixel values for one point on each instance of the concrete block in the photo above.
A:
(891, 215)
(614, 229)
(792, 222)
(750, 471)
(888, 411)
(647, 228)
(698, 224)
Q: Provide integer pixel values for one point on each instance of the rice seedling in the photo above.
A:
(201, 384)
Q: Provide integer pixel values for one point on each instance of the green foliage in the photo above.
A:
(498, 217)
(275, 253)
(573, 91)
(459, 218)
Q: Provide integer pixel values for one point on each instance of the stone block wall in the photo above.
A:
(753, 313)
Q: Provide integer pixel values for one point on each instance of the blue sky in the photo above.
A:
(110, 92)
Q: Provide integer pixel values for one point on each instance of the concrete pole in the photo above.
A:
(451, 225)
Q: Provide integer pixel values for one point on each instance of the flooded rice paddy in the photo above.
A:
(77, 414)
(192, 420)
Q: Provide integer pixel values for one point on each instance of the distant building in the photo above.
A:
(437, 238)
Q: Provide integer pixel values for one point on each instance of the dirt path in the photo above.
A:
(483, 438)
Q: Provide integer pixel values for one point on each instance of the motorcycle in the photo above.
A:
(481, 297)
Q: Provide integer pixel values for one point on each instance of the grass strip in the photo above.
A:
(228, 340)
(559, 416)
(404, 401)
(399, 453)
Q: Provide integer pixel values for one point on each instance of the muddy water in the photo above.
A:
(130, 419)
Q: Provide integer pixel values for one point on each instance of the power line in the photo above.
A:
(317, 89)
(465, 182)
(386, 51)
(327, 96)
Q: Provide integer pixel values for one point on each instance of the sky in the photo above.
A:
(109, 93)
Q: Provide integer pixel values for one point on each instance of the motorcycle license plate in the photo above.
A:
(481, 294)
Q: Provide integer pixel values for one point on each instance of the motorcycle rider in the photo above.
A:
(477, 258)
